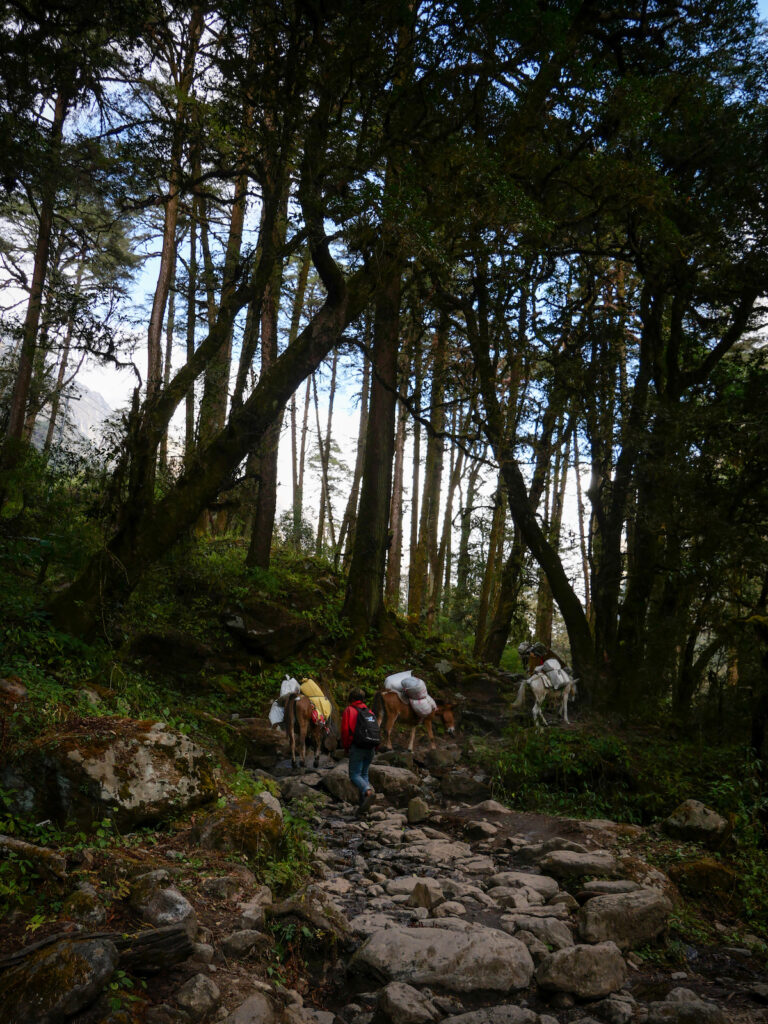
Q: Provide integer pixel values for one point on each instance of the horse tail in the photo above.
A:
(378, 707)
(520, 699)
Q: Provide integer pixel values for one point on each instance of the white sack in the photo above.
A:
(276, 714)
(424, 707)
(414, 689)
(395, 681)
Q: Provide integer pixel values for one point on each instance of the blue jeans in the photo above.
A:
(359, 762)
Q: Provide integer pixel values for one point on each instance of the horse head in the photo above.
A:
(449, 721)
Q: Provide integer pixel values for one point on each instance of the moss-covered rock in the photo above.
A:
(135, 772)
(249, 826)
(56, 982)
(705, 876)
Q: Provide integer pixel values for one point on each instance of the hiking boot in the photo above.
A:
(366, 801)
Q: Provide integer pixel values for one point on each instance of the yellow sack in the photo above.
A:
(310, 689)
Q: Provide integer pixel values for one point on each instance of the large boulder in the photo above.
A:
(339, 785)
(630, 919)
(268, 630)
(256, 743)
(574, 864)
(56, 982)
(136, 773)
(584, 971)
(682, 1006)
(483, 959)
(496, 1015)
(248, 826)
(705, 876)
(693, 822)
(397, 784)
(460, 784)
(402, 1004)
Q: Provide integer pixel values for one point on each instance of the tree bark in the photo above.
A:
(364, 596)
(347, 528)
(395, 560)
(20, 394)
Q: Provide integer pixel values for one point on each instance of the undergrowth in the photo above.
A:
(640, 778)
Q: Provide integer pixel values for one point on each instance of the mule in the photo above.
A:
(389, 707)
(541, 689)
(298, 717)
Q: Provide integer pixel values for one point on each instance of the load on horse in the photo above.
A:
(302, 709)
(405, 698)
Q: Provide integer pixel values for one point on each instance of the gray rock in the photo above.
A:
(403, 885)
(199, 996)
(56, 982)
(398, 1003)
(480, 829)
(240, 943)
(418, 810)
(480, 959)
(367, 924)
(548, 887)
(257, 1009)
(682, 1006)
(463, 785)
(496, 1015)
(536, 947)
(630, 919)
(160, 904)
(555, 934)
(607, 886)
(587, 972)
(136, 774)
(399, 785)
(618, 1008)
(425, 895)
(84, 906)
(572, 864)
(338, 783)
(252, 911)
(221, 888)
(692, 821)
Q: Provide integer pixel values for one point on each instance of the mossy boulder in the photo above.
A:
(705, 876)
(249, 826)
(134, 772)
(56, 982)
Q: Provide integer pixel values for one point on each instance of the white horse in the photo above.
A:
(541, 688)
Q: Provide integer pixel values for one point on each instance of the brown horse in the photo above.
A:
(298, 716)
(389, 707)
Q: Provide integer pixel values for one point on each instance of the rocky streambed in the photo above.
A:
(440, 905)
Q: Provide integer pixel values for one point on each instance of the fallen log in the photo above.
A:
(145, 952)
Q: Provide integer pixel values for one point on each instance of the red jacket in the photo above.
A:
(348, 723)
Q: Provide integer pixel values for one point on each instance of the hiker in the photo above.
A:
(360, 736)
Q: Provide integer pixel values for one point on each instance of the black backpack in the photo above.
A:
(367, 733)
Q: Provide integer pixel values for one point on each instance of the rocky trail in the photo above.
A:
(439, 905)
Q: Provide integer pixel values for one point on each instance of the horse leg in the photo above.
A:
(412, 739)
(538, 714)
(292, 732)
(392, 717)
(428, 727)
(318, 746)
(303, 740)
(565, 705)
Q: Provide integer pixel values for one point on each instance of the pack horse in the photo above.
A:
(405, 698)
(550, 678)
